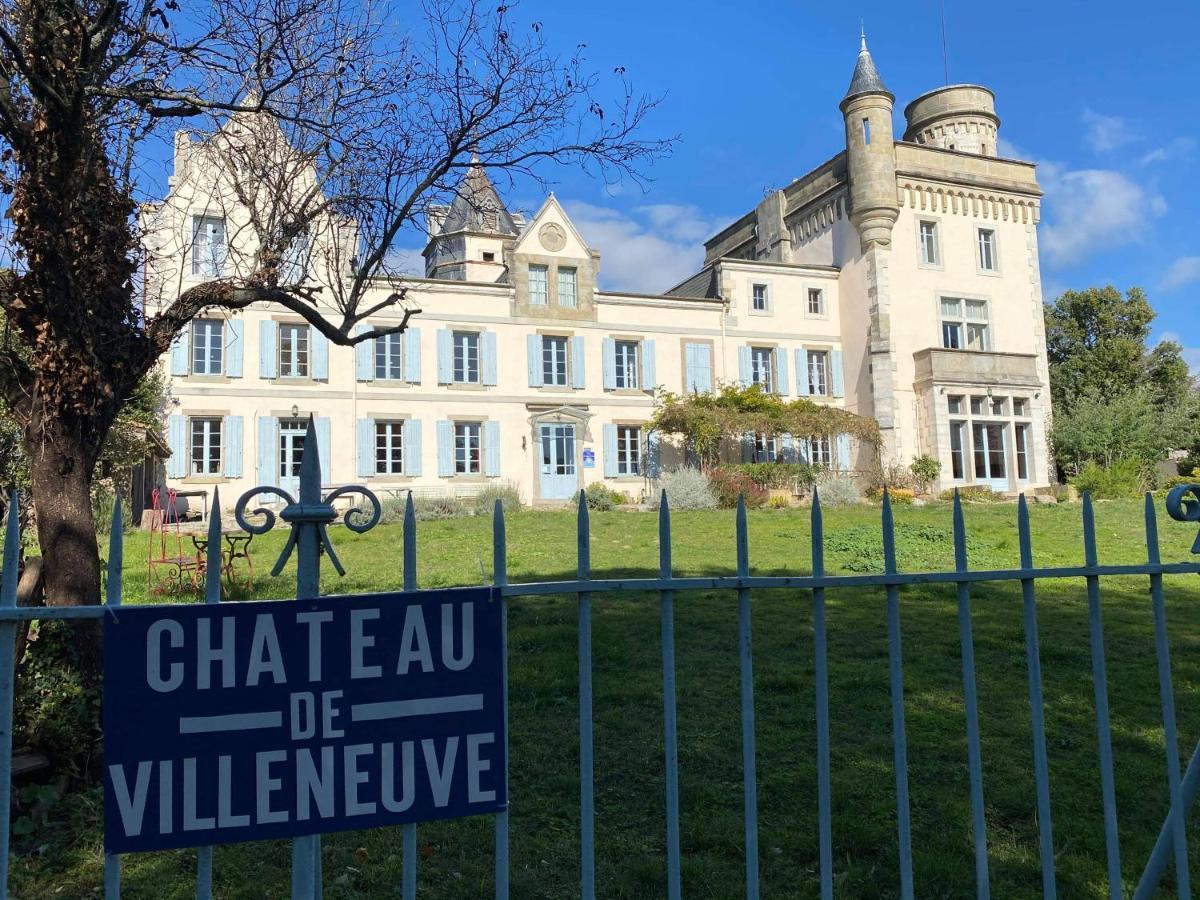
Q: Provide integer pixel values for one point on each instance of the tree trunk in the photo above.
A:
(61, 466)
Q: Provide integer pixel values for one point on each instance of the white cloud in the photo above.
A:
(1107, 133)
(1184, 270)
(1093, 210)
(647, 249)
(1177, 148)
(406, 261)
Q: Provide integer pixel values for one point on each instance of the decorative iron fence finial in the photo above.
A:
(310, 511)
(1183, 508)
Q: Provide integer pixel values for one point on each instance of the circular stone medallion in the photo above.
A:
(552, 237)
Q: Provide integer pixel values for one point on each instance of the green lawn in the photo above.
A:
(456, 857)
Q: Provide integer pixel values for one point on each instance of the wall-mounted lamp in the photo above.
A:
(295, 411)
(523, 442)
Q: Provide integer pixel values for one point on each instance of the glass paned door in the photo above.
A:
(291, 448)
(990, 455)
(559, 478)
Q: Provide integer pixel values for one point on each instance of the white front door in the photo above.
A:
(559, 477)
(990, 444)
(291, 449)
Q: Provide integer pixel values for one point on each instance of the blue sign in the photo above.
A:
(246, 721)
(589, 459)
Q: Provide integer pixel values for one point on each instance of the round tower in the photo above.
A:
(956, 117)
(870, 153)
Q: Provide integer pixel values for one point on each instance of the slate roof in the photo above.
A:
(703, 284)
(866, 78)
(477, 195)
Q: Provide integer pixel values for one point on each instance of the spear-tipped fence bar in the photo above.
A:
(308, 519)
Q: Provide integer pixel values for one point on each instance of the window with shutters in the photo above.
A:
(762, 368)
(554, 360)
(818, 373)
(208, 346)
(206, 445)
(208, 246)
(466, 357)
(568, 287)
(293, 351)
(538, 285)
(389, 357)
(626, 364)
(389, 448)
(468, 448)
(820, 451)
(629, 450)
(767, 448)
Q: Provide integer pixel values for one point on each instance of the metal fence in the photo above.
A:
(309, 515)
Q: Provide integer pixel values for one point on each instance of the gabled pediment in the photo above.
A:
(551, 232)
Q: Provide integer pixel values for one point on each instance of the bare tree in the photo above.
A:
(333, 124)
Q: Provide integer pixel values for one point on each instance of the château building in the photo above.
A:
(899, 279)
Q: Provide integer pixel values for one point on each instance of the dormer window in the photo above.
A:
(490, 218)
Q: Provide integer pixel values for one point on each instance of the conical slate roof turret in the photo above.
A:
(866, 79)
(477, 206)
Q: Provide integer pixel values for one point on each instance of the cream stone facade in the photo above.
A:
(900, 279)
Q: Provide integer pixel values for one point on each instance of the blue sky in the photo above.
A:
(1105, 100)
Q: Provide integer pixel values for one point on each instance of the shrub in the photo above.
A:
(601, 497)
(779, 502)
(506, 492)
(727, 485)
(428, 508)
(925, 470)
(1124, 478)
(838, 490)
(898, 496)
(776, 475)
(1175, 480)
(688, 489)
(893, 475)
(973, 493)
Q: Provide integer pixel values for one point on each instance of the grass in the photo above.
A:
(456, 857)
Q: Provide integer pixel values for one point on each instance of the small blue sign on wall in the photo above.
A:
(589, 459)
(245, 721)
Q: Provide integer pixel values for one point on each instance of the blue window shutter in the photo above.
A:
(268, 359)
(577, 363)
(412, 447)
(235, 343)
(802, 372)
(177, 441)
(487, 346)
(445, 448)
(748, 446)
(320, 354)
(491, 449)
(653, 456)
(181, 356)
(610, 451)
(705, 358)
(323, 448)
(781, 375)
(789, 447)
(744, 372)
(839, 381)
(268, 454)
(412, 356)
(691, 375)
(609, 363)
(233, 447)
(698, 362)
(649, 371)
(366, 447)
(843, 452)
(364, 356)
(445, 356)
(534, 343)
